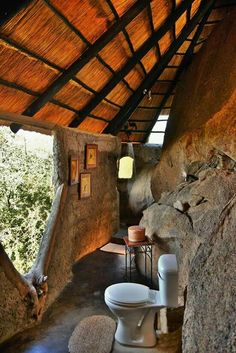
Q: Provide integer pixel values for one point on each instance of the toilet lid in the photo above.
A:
(127, 293)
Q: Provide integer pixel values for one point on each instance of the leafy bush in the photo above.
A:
(26, 194)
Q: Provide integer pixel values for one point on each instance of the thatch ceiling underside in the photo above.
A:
(105, 66)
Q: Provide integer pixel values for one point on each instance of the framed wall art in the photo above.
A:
(85, 185)
(91, 156)
(73, 170)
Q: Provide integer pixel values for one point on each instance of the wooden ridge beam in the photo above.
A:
(125, 112)
(92, 51)
(183, 64)
(140, 53)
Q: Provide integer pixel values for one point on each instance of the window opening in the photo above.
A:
(26, 193)
(125, 167)
(158, 132)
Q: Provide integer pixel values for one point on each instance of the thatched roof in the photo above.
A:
(106, 66)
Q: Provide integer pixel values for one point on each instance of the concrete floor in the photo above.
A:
(82, 297)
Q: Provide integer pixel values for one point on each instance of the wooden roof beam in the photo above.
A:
(54, 101)
(112, 7)
(188, 13)
(91, 52)
(139, 121)
(82, 37)
(140, 53)
(149, 11)
(50, 64)
(144, 121)
(228, 4)
(154, 108)
(183, 65)
(172, 10)
(131, 104)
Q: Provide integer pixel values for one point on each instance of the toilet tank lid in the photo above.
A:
(128, 293)
(167, 263)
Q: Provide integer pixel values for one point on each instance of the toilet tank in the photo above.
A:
(168, 280)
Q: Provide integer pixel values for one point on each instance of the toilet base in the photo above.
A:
(146, 342)
(142, 335)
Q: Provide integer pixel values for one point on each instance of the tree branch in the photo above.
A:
(34, 283)
(21, 283)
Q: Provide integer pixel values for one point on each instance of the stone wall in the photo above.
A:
(83, 226)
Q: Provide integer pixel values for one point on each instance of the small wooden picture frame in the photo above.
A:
(91, 156)
(85, 185)
(73, 170)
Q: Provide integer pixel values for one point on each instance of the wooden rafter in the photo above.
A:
(154, 108)
(36, 94)
(92, 51)
(149, 11)
(173, 27)
(98, 118)
(109, 2)
(140, 53)
(82, 37)
(144, 120)
(120, 119)
(50, 64)
(185, 62)
(227, 4)
(141, 131)
(188, 13)
(212, 23)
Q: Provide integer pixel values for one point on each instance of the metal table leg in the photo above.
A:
(130, 264)
(151, 263)
(145, 262)
(126, 270)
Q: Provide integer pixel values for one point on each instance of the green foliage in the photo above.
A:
(26, 194)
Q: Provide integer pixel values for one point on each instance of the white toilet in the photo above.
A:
(135, 305)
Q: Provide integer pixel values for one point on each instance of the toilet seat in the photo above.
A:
(128, 294)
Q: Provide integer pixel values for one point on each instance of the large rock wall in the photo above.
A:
(185, 218)
(210, 319)
(83, 226)
(197, 222)
(194, 186)
(202, 123)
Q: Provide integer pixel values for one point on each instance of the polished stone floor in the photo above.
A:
(82, 297)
